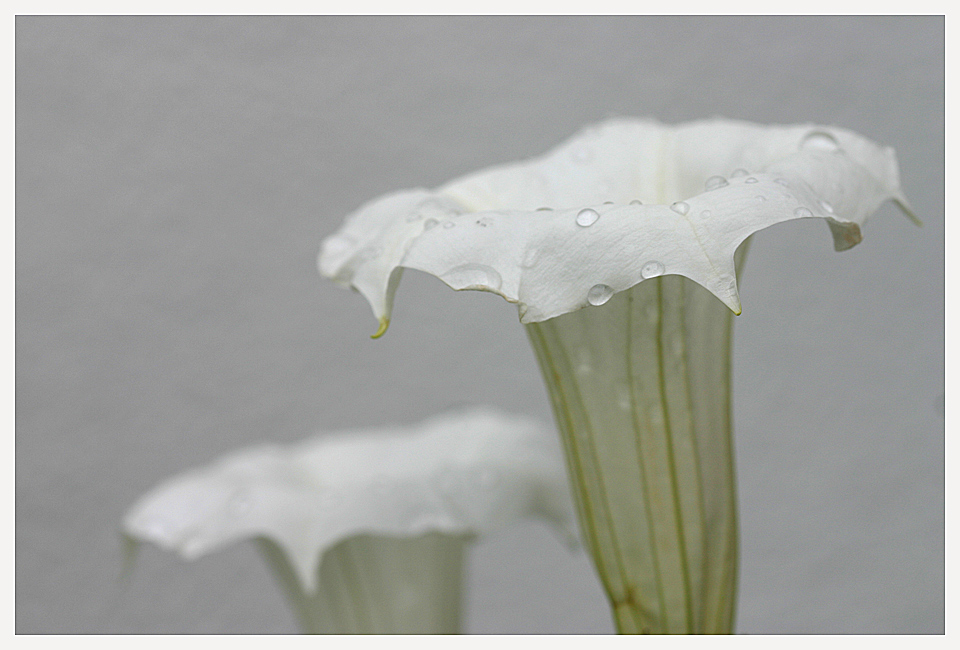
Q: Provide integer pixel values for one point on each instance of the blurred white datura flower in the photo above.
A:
(632, 220)
(365, 528)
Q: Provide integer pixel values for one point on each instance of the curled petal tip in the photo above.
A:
(384, 324)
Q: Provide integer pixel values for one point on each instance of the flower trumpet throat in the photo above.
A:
(620, 249)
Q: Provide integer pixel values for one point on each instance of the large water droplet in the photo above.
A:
(737, 173)
(472, 276)
(715, 182)
(599, 294)
(651, 269)
(680, 207)
(819, 141)
(802, 213)
(530, 258)
(587, 217)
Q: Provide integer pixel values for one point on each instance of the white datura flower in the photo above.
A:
(365, 529)
(620, 249)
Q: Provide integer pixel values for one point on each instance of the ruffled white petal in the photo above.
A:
(463, 473)
(625, 201)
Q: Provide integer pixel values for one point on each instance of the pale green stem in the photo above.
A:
(640, 389)
(378, 585)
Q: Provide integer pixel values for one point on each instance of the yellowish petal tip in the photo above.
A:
(384, 324)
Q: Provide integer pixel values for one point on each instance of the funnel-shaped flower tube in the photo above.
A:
(365, 529)
(642, 224)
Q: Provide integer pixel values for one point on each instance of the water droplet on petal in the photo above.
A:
(737, 173)
(430, 223)
(473, 276)
(448, 224)
(715, 182)
(706, 214)
(530, 258)
(587, 217)
(680, 207)
(651, 269)
(599, 294)
(802, 213)
(636, 202)
(608, 202)
(826, 207)
(761, 199)
(819, 141)
(544, 209)
(782, 181)
(485, 221)
(751, 180)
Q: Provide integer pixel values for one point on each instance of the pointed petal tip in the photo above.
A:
(905, 207)
(382, 329)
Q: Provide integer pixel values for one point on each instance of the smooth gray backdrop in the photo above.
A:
(175, 177)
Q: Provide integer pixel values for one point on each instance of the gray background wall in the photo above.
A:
(175, 177)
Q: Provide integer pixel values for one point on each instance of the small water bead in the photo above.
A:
(651, 269)
(430, 223)
(448, 224)
(751, 180)
(608, 202)
(819, 141)
(737, 173)
(706, 214)
(782, 181)
(760, 199)
(587, 217)
(599, 294)
(680, 207)
(826, 207)
(485, 221)
(636, 202)
(715, 182)
(544, 209)
(802, 213)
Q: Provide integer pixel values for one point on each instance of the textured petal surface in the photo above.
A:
(462, 473)
(571, 228)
